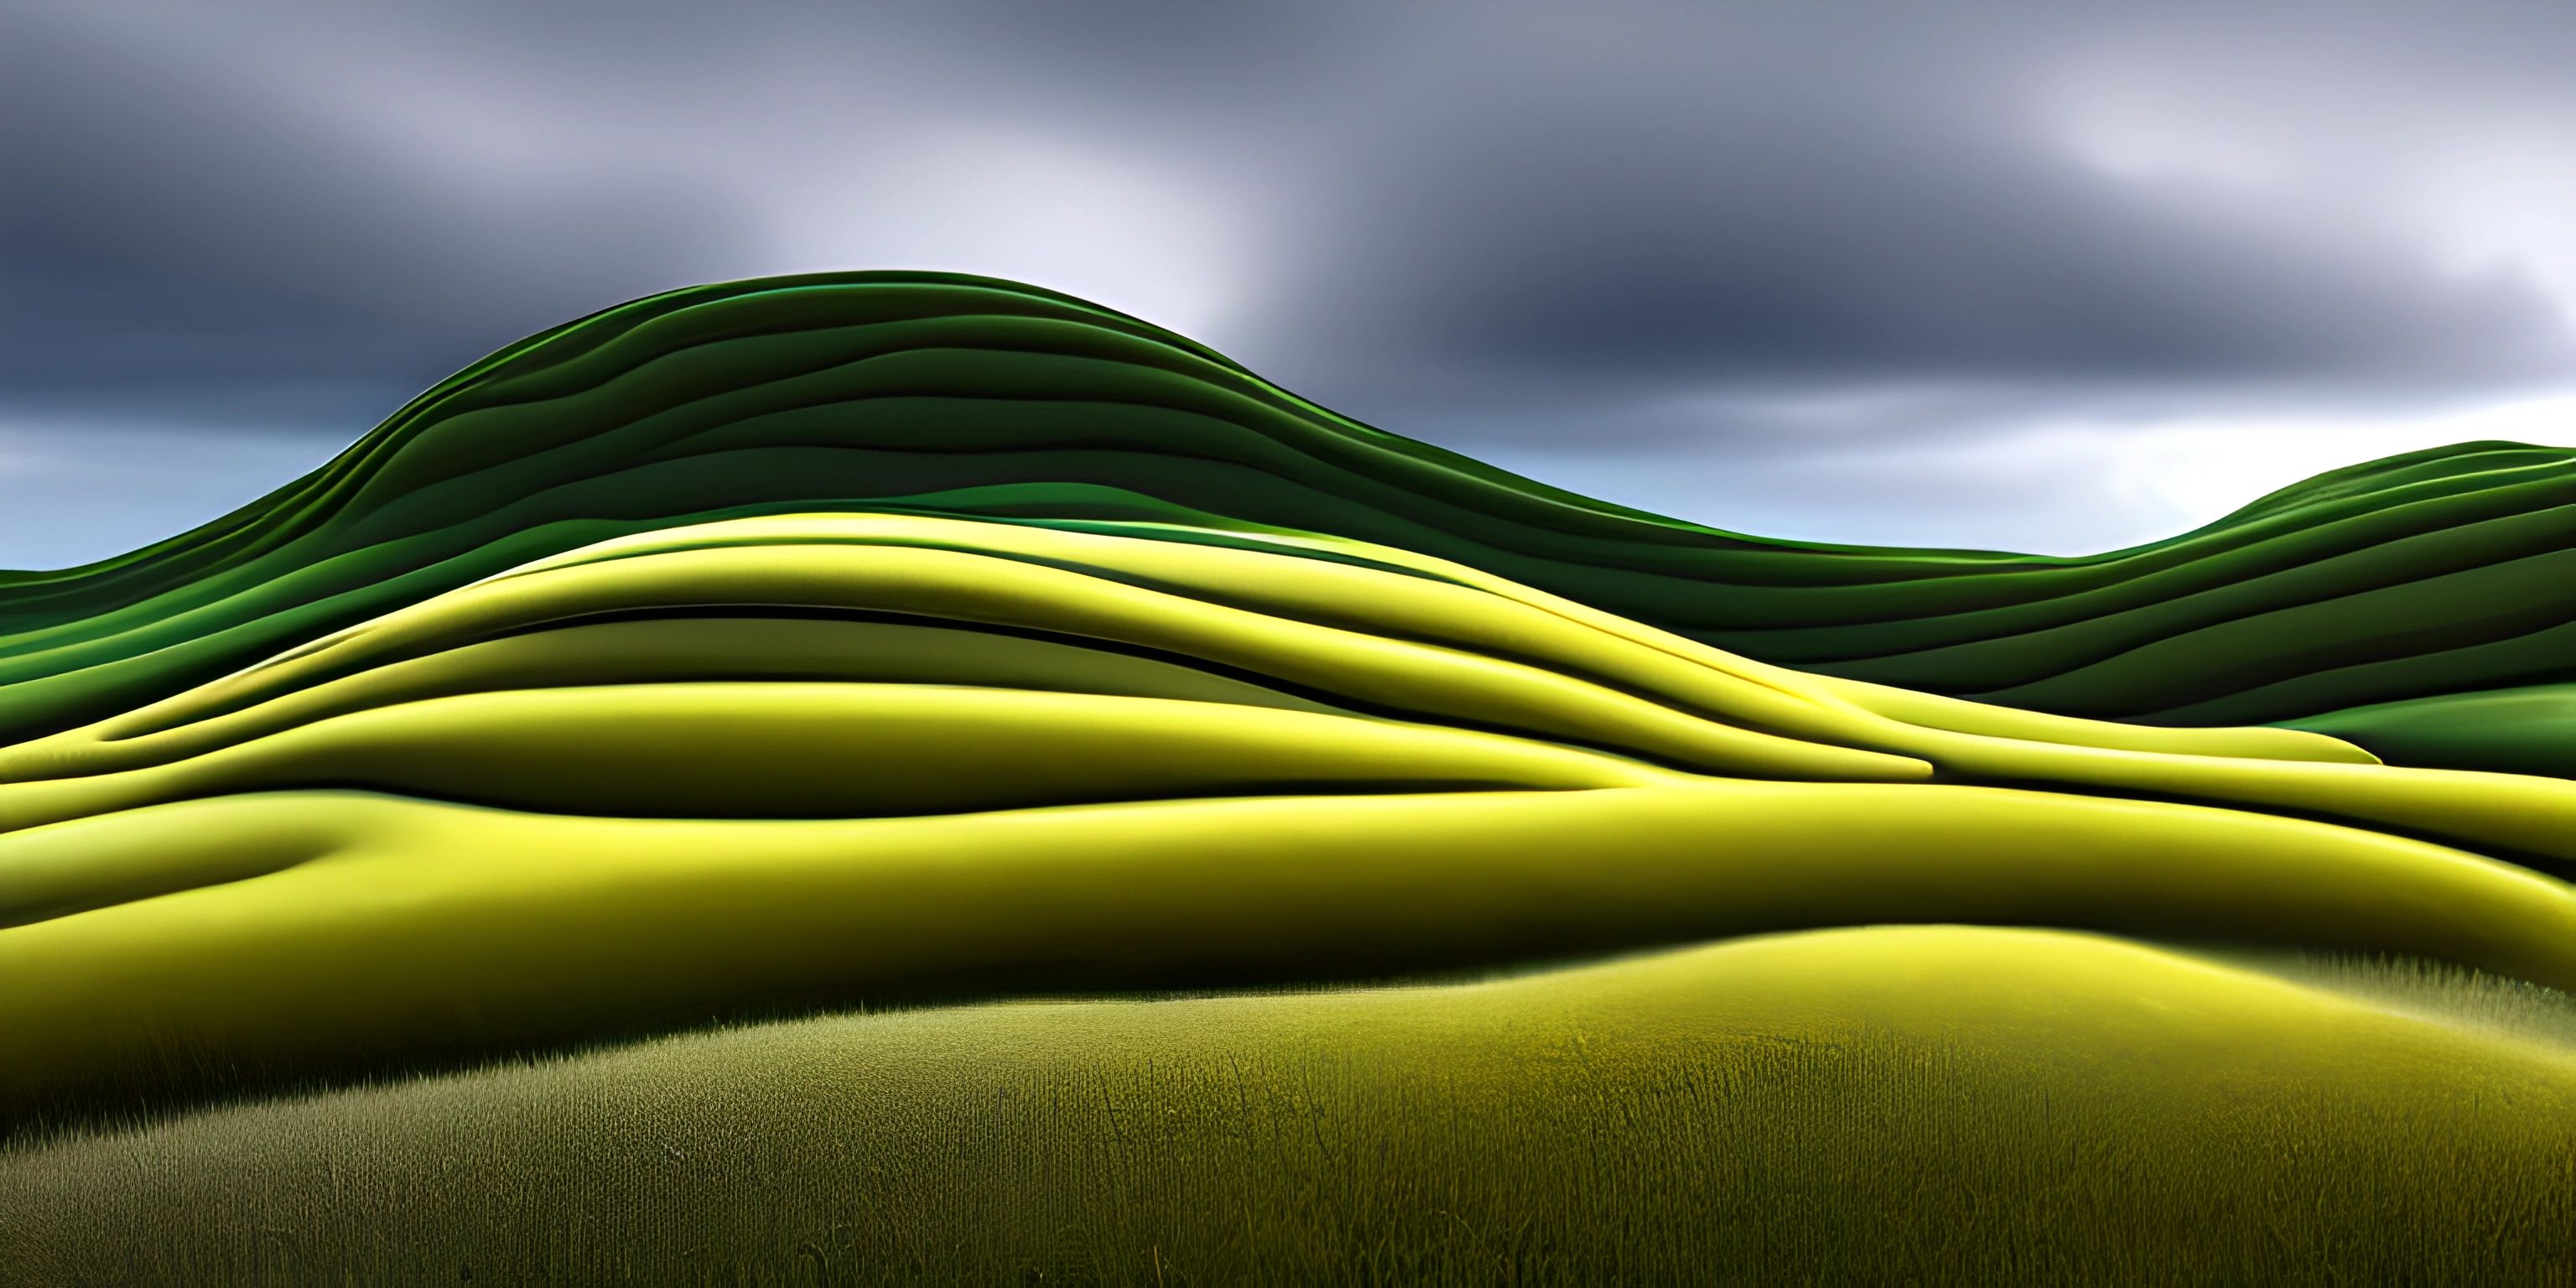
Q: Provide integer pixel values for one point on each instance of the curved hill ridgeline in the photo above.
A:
(820, 760)
(2427, 575)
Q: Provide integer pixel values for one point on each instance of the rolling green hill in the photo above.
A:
(2425, 575)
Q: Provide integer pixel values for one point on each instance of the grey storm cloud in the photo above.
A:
(1550, 227)
(1695, 240)
(176, 228)
(1575, 198)
(1783, 203)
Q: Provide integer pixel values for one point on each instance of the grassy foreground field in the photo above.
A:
(1869, 1105)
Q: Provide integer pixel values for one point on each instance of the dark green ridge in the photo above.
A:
(2523, 731)
(2422, 575)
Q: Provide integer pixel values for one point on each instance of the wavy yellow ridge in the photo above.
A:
(666, 777)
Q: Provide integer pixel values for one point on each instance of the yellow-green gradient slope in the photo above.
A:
(825, 760)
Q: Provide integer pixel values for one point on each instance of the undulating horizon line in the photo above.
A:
(2421, 576)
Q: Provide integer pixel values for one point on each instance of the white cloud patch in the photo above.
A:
(2036, 482)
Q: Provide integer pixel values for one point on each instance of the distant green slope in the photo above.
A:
(2430, 574)
(2516, 731)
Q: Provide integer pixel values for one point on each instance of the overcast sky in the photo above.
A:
(2040, 276)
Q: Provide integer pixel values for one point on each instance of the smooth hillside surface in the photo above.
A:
(1862, 1106)
(821, 760)
(2522, 731)
(2429, 574)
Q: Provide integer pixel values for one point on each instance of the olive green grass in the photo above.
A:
(1889, 1105)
